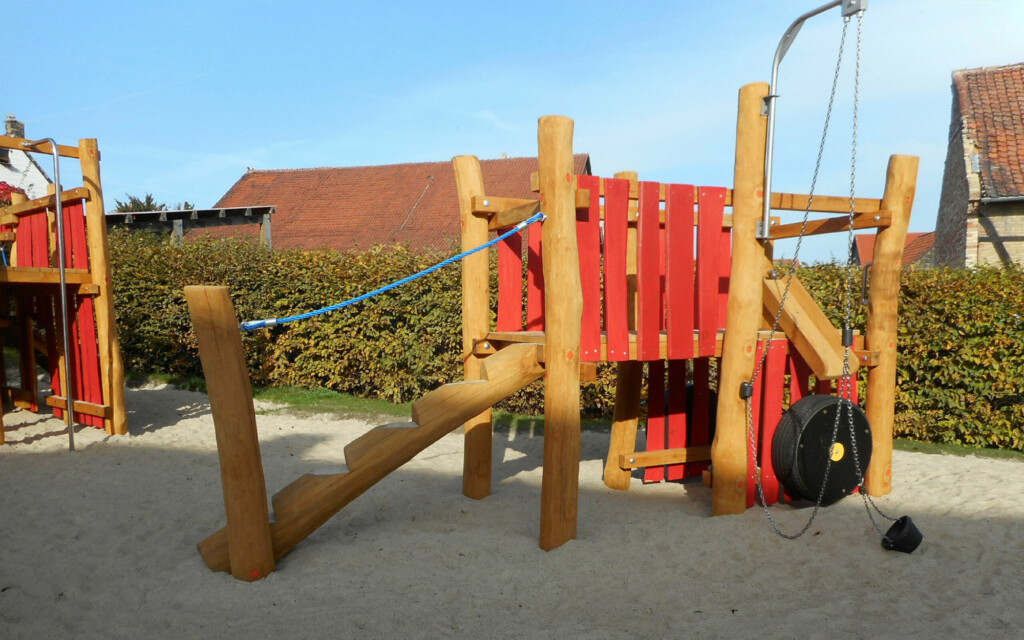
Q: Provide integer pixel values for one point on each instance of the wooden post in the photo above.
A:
(476, 322)
(563, 311)
(743, 319)
(628, 374)
(29, 398)
(883, 300)
(111, 367)
(234, 419)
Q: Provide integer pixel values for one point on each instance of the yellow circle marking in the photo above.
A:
(837, 452)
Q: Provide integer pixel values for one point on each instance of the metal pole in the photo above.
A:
(68, 393)
(850, 7)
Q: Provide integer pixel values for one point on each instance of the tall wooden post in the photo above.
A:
(563, 314)
(29, 396)
(241, 470)
(743, 319)
(883, 302)
(476, 319)
(111, 367)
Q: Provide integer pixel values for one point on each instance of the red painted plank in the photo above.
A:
(799, 376)
(510, 283)
(724, 269)
(703, 413)
(616, 313)
(588, 239)
(677, 414)
(773, 385)
(534, 280)
(86, 347)
(755, 419)
(711, 206)
(656, 436)
(823, 387)
(679, 270)
(648, 273)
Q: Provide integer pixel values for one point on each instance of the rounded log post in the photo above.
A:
(563, 311)
(743, 319)
(476, 318)
(111, 367)
(250, 548)
(883, 300)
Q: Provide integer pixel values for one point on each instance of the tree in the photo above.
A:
(135, 204)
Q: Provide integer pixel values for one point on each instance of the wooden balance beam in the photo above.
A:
(250, 545)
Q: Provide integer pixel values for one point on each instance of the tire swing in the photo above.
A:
(816, 457)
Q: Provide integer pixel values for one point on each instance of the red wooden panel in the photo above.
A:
(88, 385)
(534, 280)
(656, 436)
(679, 270)
(724, 269)
(677, 414)
(799, 376)
(774, 384)
(510, 283)
(755, 413)
(648, 273)
(704, 411)
(711, 206)
(616, 314)
(588, 239)
(823, 387)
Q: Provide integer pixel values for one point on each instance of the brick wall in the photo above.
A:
(998, 225)
(951, 227)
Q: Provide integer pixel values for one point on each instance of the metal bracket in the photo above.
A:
(864, 284)
(852, 7)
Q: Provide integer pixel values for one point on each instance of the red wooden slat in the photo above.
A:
(755, 413)
(648, 273)
(823, 387)
(724, 269)
(773, 385)
(588, 239)
(711, 206)
(656, 436)
(616, 314)
(679, 270)
(510, 283)
(704, 410)
(677, 414)
(534, 280)
(799, 376)
(86, 347)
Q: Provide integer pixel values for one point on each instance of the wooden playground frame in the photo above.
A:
(29, 289)
(502, 360)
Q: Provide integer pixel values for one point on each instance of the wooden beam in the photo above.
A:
(8, 142)
(642, 459)
(824, 204)
(513, 216)
(11, 213)
(249, 548)
(88, 408)
(43, 275)
(628, 386)
(870, 220)
(883, 299)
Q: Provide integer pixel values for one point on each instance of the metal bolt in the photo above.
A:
(632, 461)
(487, 203)
(877, 218)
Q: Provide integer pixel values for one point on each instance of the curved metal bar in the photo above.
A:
(69, 412)
(850, 7)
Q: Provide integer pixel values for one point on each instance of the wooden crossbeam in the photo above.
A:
(64, 151)
(88, 408)
(11, 213)
(870, 220)
(642, 459)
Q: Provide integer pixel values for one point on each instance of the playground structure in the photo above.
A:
(613, 276)
(31, 300)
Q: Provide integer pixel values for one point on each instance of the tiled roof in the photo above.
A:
(992, 106)
(916, 246)
(358, 207)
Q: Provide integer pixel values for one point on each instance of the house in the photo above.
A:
(359, 207)
(918, 249)
(981, 210)
(19, 169)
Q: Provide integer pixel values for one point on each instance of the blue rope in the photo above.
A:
(270, 322)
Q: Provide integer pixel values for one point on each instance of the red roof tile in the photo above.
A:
(992, 106)
(914, 248)
(358, 207)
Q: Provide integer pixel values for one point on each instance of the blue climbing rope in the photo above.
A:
(270, 322)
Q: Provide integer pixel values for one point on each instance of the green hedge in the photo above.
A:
(960, 370)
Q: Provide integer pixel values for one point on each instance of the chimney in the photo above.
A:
(14, 128)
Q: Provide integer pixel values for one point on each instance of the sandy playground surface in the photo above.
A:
(100, 543)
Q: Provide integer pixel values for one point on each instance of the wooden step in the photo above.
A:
(357, 450)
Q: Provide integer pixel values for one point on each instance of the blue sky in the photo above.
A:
(184, 96)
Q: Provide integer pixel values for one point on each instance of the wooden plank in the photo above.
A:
(512, 217)
(563, 313)
(774, 384)
(108, 344)
(64, 151)
(883, 299)
(534, 279)
(42, 275)
(678, 418)
(86, 346)
(824, 204)
(11, 213)
(656, 435)
(628, 384)
(588, 237)
(476, 319)
(648, 273)
(729, 450)
(709, 235)
(250, 550)
(699, 431)
(679, 274)
(510, 284)
(616, 315)
(808, 327)
(869, 220)
(643, 459)
(492, 205)
(87, 408)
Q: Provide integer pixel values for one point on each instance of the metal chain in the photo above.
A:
(782, 304)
